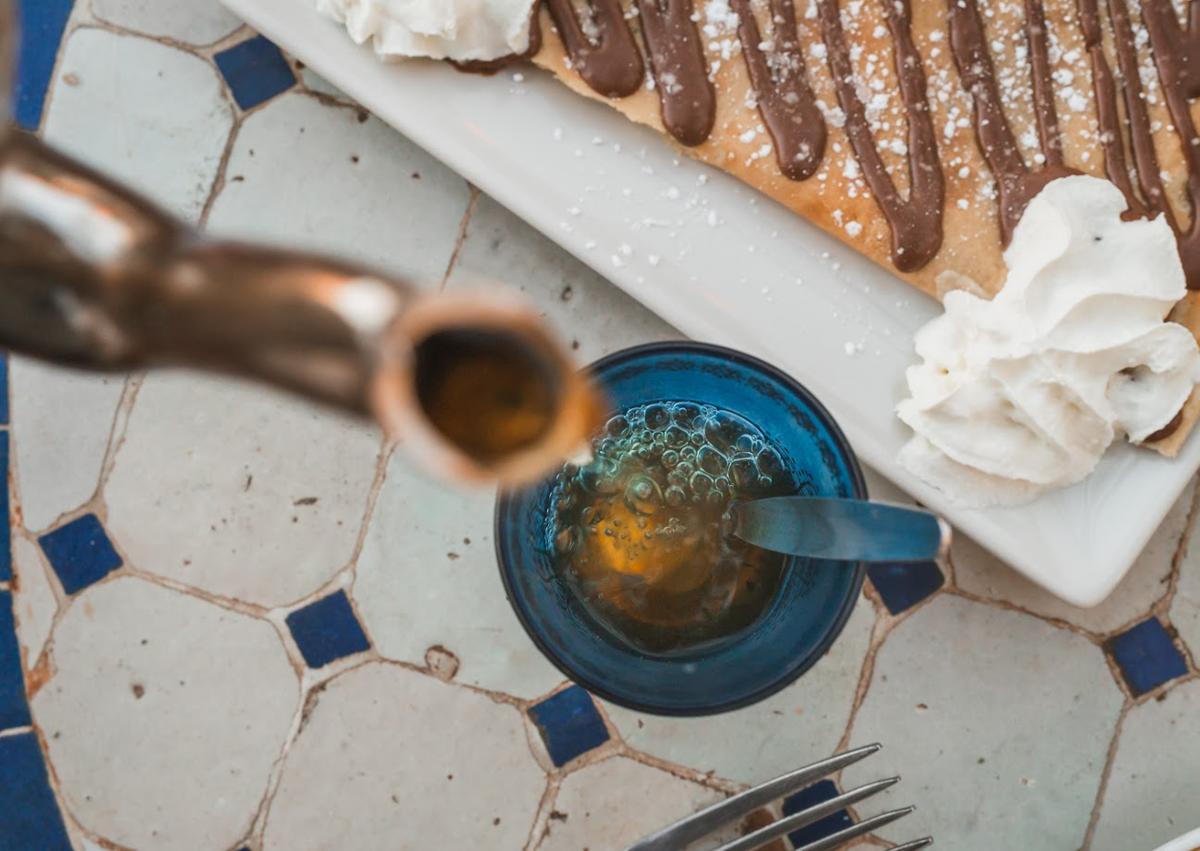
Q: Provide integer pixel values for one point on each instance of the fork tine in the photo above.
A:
(915, 844)
(854, 831)
(816, 812)
(689, 829)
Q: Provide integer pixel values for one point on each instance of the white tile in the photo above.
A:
(979, 572)
(189, 21)
(583, 306)
(427, 577)
(61, 422)
(331, 179)
(34, 603)
(1153, 793)
(390, 758)
(1185, 608)
(239, 490)
(799, 725)
(999, 724)
(614, 803)
(150, 115)
(164, 716)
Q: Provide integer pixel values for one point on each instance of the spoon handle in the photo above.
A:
(842, 529)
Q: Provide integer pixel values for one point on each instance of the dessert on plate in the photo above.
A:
(1035, 164)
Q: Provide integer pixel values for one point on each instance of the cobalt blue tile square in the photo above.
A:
(809, 797)
(5, 518)
(570, 724)
(29, 816)
(1147, 656)
(80, 553)
(14, 711)
(3, 389)
(255, 71)
(42, 23)
(327, 630)
(903, 585)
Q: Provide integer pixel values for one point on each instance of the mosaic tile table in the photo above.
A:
(234, 621)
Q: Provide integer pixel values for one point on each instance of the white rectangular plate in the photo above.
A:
(729, 266)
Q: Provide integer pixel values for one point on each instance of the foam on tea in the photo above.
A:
(640, 532)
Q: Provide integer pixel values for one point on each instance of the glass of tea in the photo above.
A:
(621, 569)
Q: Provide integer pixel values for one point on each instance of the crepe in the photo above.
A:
(836, 197)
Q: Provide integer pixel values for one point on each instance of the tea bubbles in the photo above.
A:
(639, 534)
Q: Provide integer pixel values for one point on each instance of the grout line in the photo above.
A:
(200, 51)
(307, 698)
(387, 450)
(1163, 605)
(880, 630)
(56, 592)
(463, 229)
(709, 779)
(1106, 772)
(218, 185)
(237, 36)
(539, 829)
(117, 431)
(76, 830)
(324, 98)
(1093, 637)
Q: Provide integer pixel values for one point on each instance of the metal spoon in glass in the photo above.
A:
(842, 529)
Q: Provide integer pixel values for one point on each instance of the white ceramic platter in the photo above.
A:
(1188, 842)
(727, 265)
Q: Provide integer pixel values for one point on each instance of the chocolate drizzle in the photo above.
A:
(785, 99)
(1108, 115)
(1177, 56)
(689, 104)
(606, 55)
(916, 223)
(1016, 183)
(612, 63)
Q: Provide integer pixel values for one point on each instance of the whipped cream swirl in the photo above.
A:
(1024, 393)
(460, 30)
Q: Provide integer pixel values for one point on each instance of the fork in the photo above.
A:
(699, 825)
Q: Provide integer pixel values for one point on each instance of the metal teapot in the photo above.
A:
(94, 276)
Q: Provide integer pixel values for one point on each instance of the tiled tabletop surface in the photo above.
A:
(235, 621)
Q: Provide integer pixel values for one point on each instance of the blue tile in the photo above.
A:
(3, 389)
(809, 797)
(327, 630)
(5, 519)
(255, 71)
(569, 724)
(902, 586)
(14, 711)
(1147, 656)
(28, 811)
(42, 23)
(80, 553)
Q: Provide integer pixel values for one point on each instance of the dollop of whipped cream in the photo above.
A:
(460, 30)
(1024, 393)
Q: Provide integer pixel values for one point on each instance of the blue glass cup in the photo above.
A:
(811, 605)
